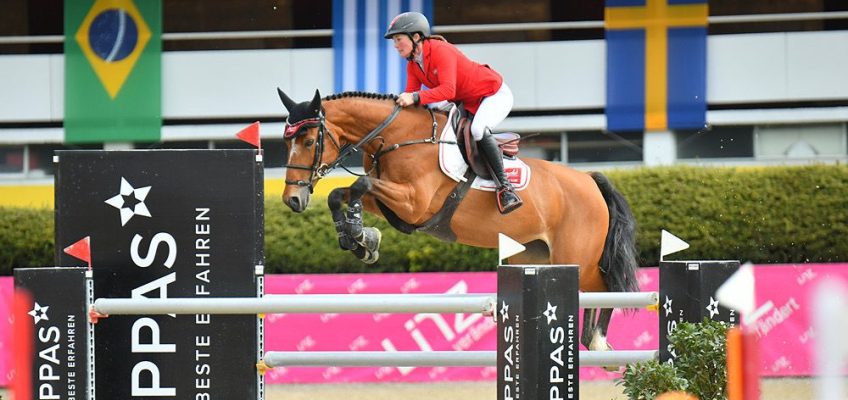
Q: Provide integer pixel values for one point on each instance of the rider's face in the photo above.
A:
(403, 44)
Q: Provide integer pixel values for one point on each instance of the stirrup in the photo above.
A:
(511, 205)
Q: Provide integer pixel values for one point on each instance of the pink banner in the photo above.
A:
(785, 302)
(783, 296)
(379, 332)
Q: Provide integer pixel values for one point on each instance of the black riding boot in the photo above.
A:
(508, 201)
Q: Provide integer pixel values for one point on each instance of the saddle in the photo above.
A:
(461, 123)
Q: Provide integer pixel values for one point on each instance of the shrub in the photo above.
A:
(700, 367)
(762, 215)
(26, 238)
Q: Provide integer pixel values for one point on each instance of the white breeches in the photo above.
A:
(492, 111)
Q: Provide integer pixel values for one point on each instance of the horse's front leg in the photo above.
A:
(334, 201)
(364, 242)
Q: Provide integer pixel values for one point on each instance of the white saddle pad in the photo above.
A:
(454, 166)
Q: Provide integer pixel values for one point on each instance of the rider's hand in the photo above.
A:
(406, 99)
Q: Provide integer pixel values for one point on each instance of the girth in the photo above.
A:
(439, 224)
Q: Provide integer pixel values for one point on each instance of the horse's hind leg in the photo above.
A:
(589, 324)
(594, 334)
(599, 333)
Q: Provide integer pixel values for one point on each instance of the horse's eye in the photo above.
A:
(309, 142)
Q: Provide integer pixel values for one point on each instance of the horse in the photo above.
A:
(568, 216)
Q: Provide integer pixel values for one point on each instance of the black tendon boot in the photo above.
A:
(508, 201)
(366, 240)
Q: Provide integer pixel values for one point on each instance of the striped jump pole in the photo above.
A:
(274, 359)
(350, 303)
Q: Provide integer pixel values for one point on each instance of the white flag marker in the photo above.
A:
(670, 244)
(737, 292)
(508, 247)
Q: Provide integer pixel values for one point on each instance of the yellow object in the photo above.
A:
(33, 196)
(656, 16)
(41, 196)
(262, 367)
(676, 396)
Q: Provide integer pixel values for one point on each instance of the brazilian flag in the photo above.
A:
(113, 70)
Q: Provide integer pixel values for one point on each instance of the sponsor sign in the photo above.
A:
(687, 294)
(60, 331)
(538, 347)
(168, 224)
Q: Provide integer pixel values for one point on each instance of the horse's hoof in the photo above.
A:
(371, 239)
(611, 368)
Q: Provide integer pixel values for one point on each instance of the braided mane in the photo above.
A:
(367, 95)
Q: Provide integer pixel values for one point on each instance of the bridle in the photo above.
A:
(318, 169)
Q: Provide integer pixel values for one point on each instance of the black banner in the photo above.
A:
(538, 348)
(168, 224)
(60, 331)
(687, 294)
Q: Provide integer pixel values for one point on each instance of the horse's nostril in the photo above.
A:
(294, 203)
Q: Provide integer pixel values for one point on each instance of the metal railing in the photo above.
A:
(508, 27)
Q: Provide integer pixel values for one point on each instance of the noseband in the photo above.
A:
(318, 169)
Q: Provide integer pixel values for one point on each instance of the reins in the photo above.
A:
(318, 171)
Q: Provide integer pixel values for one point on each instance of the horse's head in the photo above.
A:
(306, 133)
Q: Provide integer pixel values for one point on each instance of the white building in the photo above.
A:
(773, 97)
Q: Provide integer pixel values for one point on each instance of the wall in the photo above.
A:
(745, 68)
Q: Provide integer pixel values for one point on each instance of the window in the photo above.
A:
(545, 146)
(801, 141)
(35, 160)
(596, 146)
(11, 159)
(716, 142)
(192, 144)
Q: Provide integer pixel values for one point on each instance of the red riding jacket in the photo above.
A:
(450, 75)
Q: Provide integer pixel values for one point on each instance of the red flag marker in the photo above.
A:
(81, 250)
(251, 135)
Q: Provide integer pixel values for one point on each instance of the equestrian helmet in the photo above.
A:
(408, 23)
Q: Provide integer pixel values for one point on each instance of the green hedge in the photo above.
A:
(26, 238)
(763, 215)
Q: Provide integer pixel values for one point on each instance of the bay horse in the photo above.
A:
(568, 217)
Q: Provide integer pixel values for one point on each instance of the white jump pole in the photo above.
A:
(618, 299)
(348, 303)
(434, 358)
(380, 358)
(293, 304)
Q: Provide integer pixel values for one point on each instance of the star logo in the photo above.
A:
(39, 313)
(671, 351)
(130, 201)
(667, 306)
(713, 307)
(504, 311)
(550, 313)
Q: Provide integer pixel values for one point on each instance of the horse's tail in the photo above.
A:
(618, 261)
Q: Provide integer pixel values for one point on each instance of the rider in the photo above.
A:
(451, 76)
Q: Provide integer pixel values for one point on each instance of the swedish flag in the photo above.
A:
(113, 70)
(656, 64)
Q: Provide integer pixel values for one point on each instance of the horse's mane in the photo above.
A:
(367, 95)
